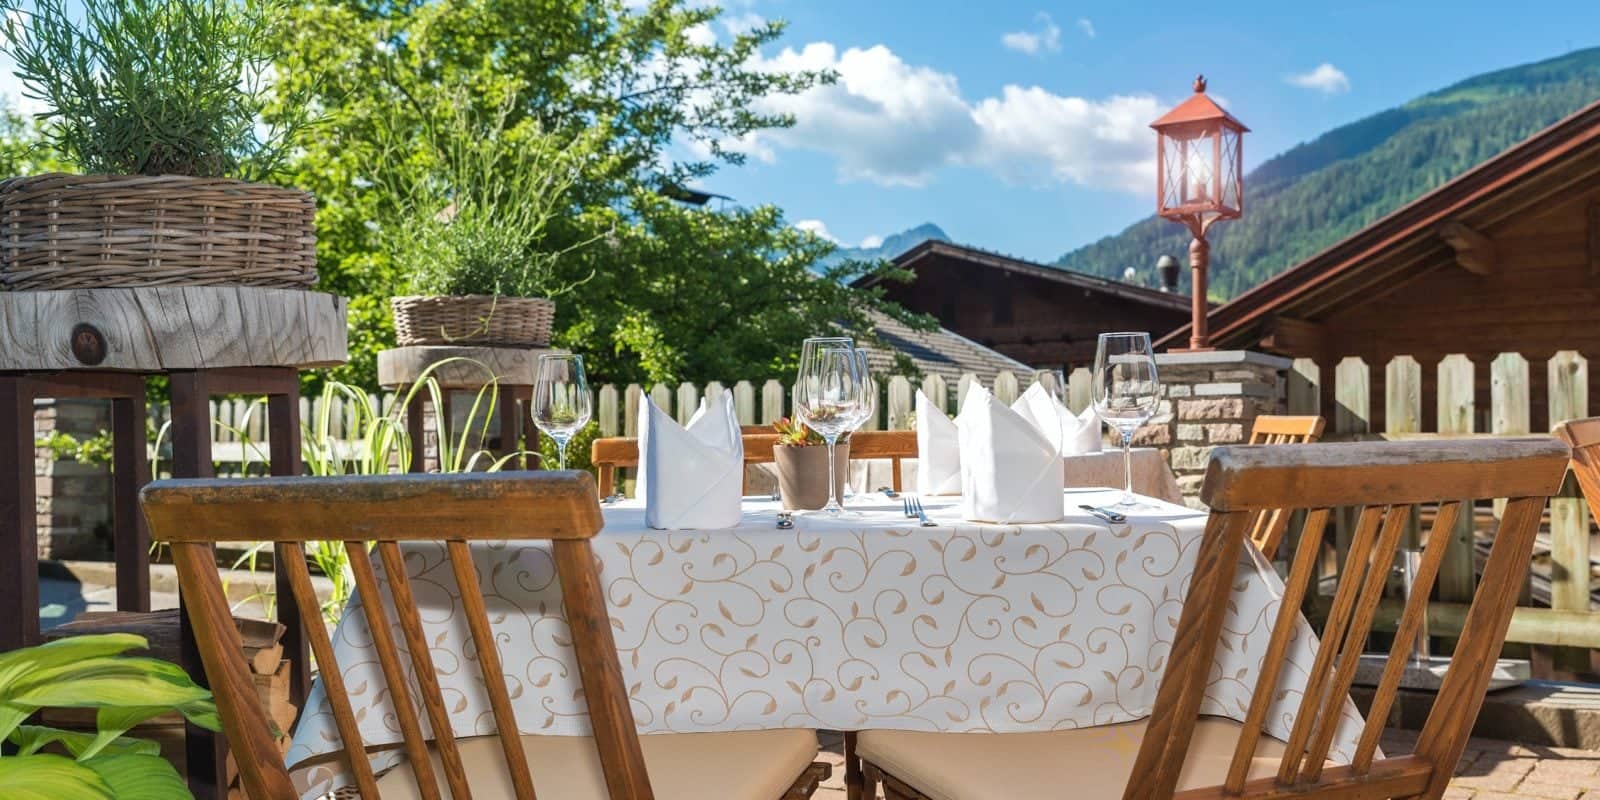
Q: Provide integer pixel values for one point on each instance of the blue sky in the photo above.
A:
(1020, 125)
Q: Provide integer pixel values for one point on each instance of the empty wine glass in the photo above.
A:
(1126, 393)
(561, 399)
(830, 398)
(1054, 382)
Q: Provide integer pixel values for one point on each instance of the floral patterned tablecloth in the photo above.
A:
(865, 622)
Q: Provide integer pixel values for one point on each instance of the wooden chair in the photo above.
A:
(1583, 436)
(1268, 528)
(610, 454)
(1175, 752)
(382, 512)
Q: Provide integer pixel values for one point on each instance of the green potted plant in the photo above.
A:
(163, 104)
(477, 195)
(801, 456)
(92, 672)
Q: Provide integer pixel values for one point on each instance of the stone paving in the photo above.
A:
(1489, 770)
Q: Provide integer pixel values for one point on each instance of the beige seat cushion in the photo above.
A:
(1085, 763)
(752, 765)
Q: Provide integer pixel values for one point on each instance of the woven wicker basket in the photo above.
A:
(477, 319)
(99, 231)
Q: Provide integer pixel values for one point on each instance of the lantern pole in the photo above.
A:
(1199, 260)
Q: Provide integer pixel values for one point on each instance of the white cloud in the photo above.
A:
(871, 242)
(1087, 26)
(1326, 78)
(817, 227)
(1046, 39)
(736, 24)
(701, 35)
(897, 124)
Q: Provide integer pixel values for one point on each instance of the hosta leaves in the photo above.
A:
(139, 777)
(30, 738)
(49, 777)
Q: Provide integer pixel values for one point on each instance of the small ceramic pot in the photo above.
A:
(803, 474)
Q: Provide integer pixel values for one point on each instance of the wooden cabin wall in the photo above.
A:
(1543, 297)
(1039, 322)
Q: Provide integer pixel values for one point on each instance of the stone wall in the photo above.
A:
(1211, 398)
(73, 500)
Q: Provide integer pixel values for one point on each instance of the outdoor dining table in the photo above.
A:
(866, 621)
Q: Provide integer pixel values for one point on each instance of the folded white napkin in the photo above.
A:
(1010, 473)
(938, 450)
(1071, 434)
(691, 476)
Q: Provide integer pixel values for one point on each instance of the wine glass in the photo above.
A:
(830, 398)
(1054, 383)
(1126, 392)
(561, 399)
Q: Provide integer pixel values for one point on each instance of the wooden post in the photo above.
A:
(130, 470)
(607, 411)
(688, 402)
(283, 447)
(1509, 415)
(661, 395)
(1305, 387)
(1005, 386)
(1402, 413)
(744, 402)
(772, 408)
(1569, 514)
(632, 398)
(1457, 576)
(19, 543)
(1080, 390)
(934, 387)
(900, 403)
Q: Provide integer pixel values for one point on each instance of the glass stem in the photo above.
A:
(1127, 468)
(561, 453)
(833, 506)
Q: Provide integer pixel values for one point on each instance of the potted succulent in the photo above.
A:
(163, 104)
(477, 195)
(801, 456)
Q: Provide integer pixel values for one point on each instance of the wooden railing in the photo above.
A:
(1405, 399)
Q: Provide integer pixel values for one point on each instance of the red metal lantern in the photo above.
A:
(1199, 181)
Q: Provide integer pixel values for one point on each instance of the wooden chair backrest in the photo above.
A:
(1384, 480)
(1583, 436)
(384, 511)
(1268, 528)
(610, 454)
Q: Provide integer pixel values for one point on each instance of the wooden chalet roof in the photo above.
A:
(928, 250)
(1407, 242)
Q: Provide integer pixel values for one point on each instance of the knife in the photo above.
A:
(1105, 514)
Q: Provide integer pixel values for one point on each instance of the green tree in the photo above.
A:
(676, 293)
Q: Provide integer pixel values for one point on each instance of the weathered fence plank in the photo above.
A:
(1305, 387)
(934, 387)
(744, 402)
(900, 403)
(772, 408)
(1006, 388)
(632, 399)
(1080, 388)
(688, 402)
(967, 379)
(606, 413)
(1569, 514)
(1457, 416)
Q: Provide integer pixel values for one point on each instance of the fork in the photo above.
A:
(914, 508)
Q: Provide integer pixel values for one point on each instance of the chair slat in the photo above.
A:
(1344, 599)
(1378, 563)
(494, 678)
(621, 759)
(1406, 634)
(394, 676)
(1295, 587)
(405, 607)
(292, 559)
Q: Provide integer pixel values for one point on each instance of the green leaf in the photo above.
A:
(82, 746)
(49, 777)
(139, 777)
(28, 661)
(101, 682)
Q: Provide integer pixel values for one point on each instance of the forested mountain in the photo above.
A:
(1319, 192)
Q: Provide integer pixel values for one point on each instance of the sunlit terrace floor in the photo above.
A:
(1489, 770)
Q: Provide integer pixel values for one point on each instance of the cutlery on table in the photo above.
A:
(914, 509)
(887, 492)
(1104, 513)
(785, 520)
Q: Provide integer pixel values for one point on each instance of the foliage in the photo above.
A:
(578, 449)
(474, 199)
(62, 446)
(794, 433)
(91, 672)
(646, 106)
(154, 87)
(1299, 203)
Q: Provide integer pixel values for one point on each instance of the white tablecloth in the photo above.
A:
(866, 622)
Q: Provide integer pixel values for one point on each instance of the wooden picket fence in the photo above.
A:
(1393, 404)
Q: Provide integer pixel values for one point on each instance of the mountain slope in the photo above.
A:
(891, 247)
(1319, 192)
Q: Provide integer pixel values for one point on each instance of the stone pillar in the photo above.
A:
(1211, 398)
(74, 499)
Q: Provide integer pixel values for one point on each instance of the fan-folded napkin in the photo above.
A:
(691, 476)
(1011, 473)
(1071, 434)
(938, 450)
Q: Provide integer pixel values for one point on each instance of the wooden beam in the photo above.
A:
(1474, 251)
(1300, 338)
(1594, 238)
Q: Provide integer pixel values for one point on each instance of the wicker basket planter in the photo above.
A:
(104, 231)
(477, 319)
